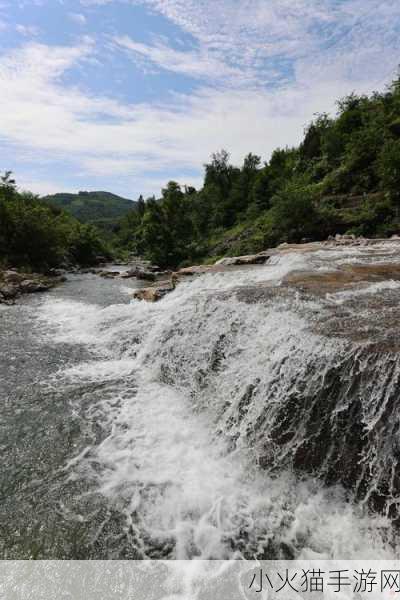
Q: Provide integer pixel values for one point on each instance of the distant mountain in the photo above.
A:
(102, 209)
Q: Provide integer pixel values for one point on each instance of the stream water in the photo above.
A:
(136, 430)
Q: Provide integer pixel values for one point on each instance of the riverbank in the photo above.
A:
(14, 284)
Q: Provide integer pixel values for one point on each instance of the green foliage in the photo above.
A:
(167, 230)
(389, 168)
(344, 177)
(293, 213)
(36, 235)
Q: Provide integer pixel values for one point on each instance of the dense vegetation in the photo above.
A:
(38, 236)
(100, 209)
(344, 177)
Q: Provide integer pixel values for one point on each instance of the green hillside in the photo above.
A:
(102, 209)
(343, 178)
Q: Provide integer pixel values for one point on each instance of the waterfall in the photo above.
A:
(251, 413)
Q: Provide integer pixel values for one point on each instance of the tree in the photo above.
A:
(242, 188)
(141, 206)
(8, 185)
(294, 214)
(389, 169)
(36, 235)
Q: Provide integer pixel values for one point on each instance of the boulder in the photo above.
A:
(226, 262)
(28, 286)
(53, 273)
(139, 274)
(152, 294)
(14, 284)
(13, 277)
(195, 270)
(109, 274)
(9, 291)
(251, 259)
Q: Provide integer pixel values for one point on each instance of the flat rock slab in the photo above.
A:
(251, 259)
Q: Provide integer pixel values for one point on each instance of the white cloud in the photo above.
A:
(258, 42)
(107, 138)
(201, 65)
(327, 49)
(77, 18)
(27, 30)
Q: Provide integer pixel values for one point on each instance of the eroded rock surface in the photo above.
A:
(13, 284)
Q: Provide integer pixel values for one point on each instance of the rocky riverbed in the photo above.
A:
(14, 284)
(166, 282)
(252, 412)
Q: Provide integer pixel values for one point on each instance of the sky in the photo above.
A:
(125, 95)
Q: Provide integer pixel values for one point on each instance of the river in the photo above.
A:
(185, 429)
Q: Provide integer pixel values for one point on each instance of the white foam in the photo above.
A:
(99, 370)
(163, 464)
(372, 289)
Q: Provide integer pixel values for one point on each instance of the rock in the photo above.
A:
(225, 262)
(195, 270)
(28, 286)
(152, 294)
(9, 291)
(53, 273)
(145, 275)
(14, 284)
(162, 273)
(12, 276)
(251, 259)
(345, 237)
(109, 274)
(139, 274)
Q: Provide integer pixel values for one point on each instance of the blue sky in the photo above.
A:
(124, 95)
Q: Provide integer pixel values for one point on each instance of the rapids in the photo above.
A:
(250, 413)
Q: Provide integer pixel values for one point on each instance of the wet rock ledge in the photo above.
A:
(13, 284)
(161, 285)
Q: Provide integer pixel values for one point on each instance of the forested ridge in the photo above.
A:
(343, 178)
(101, 209)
